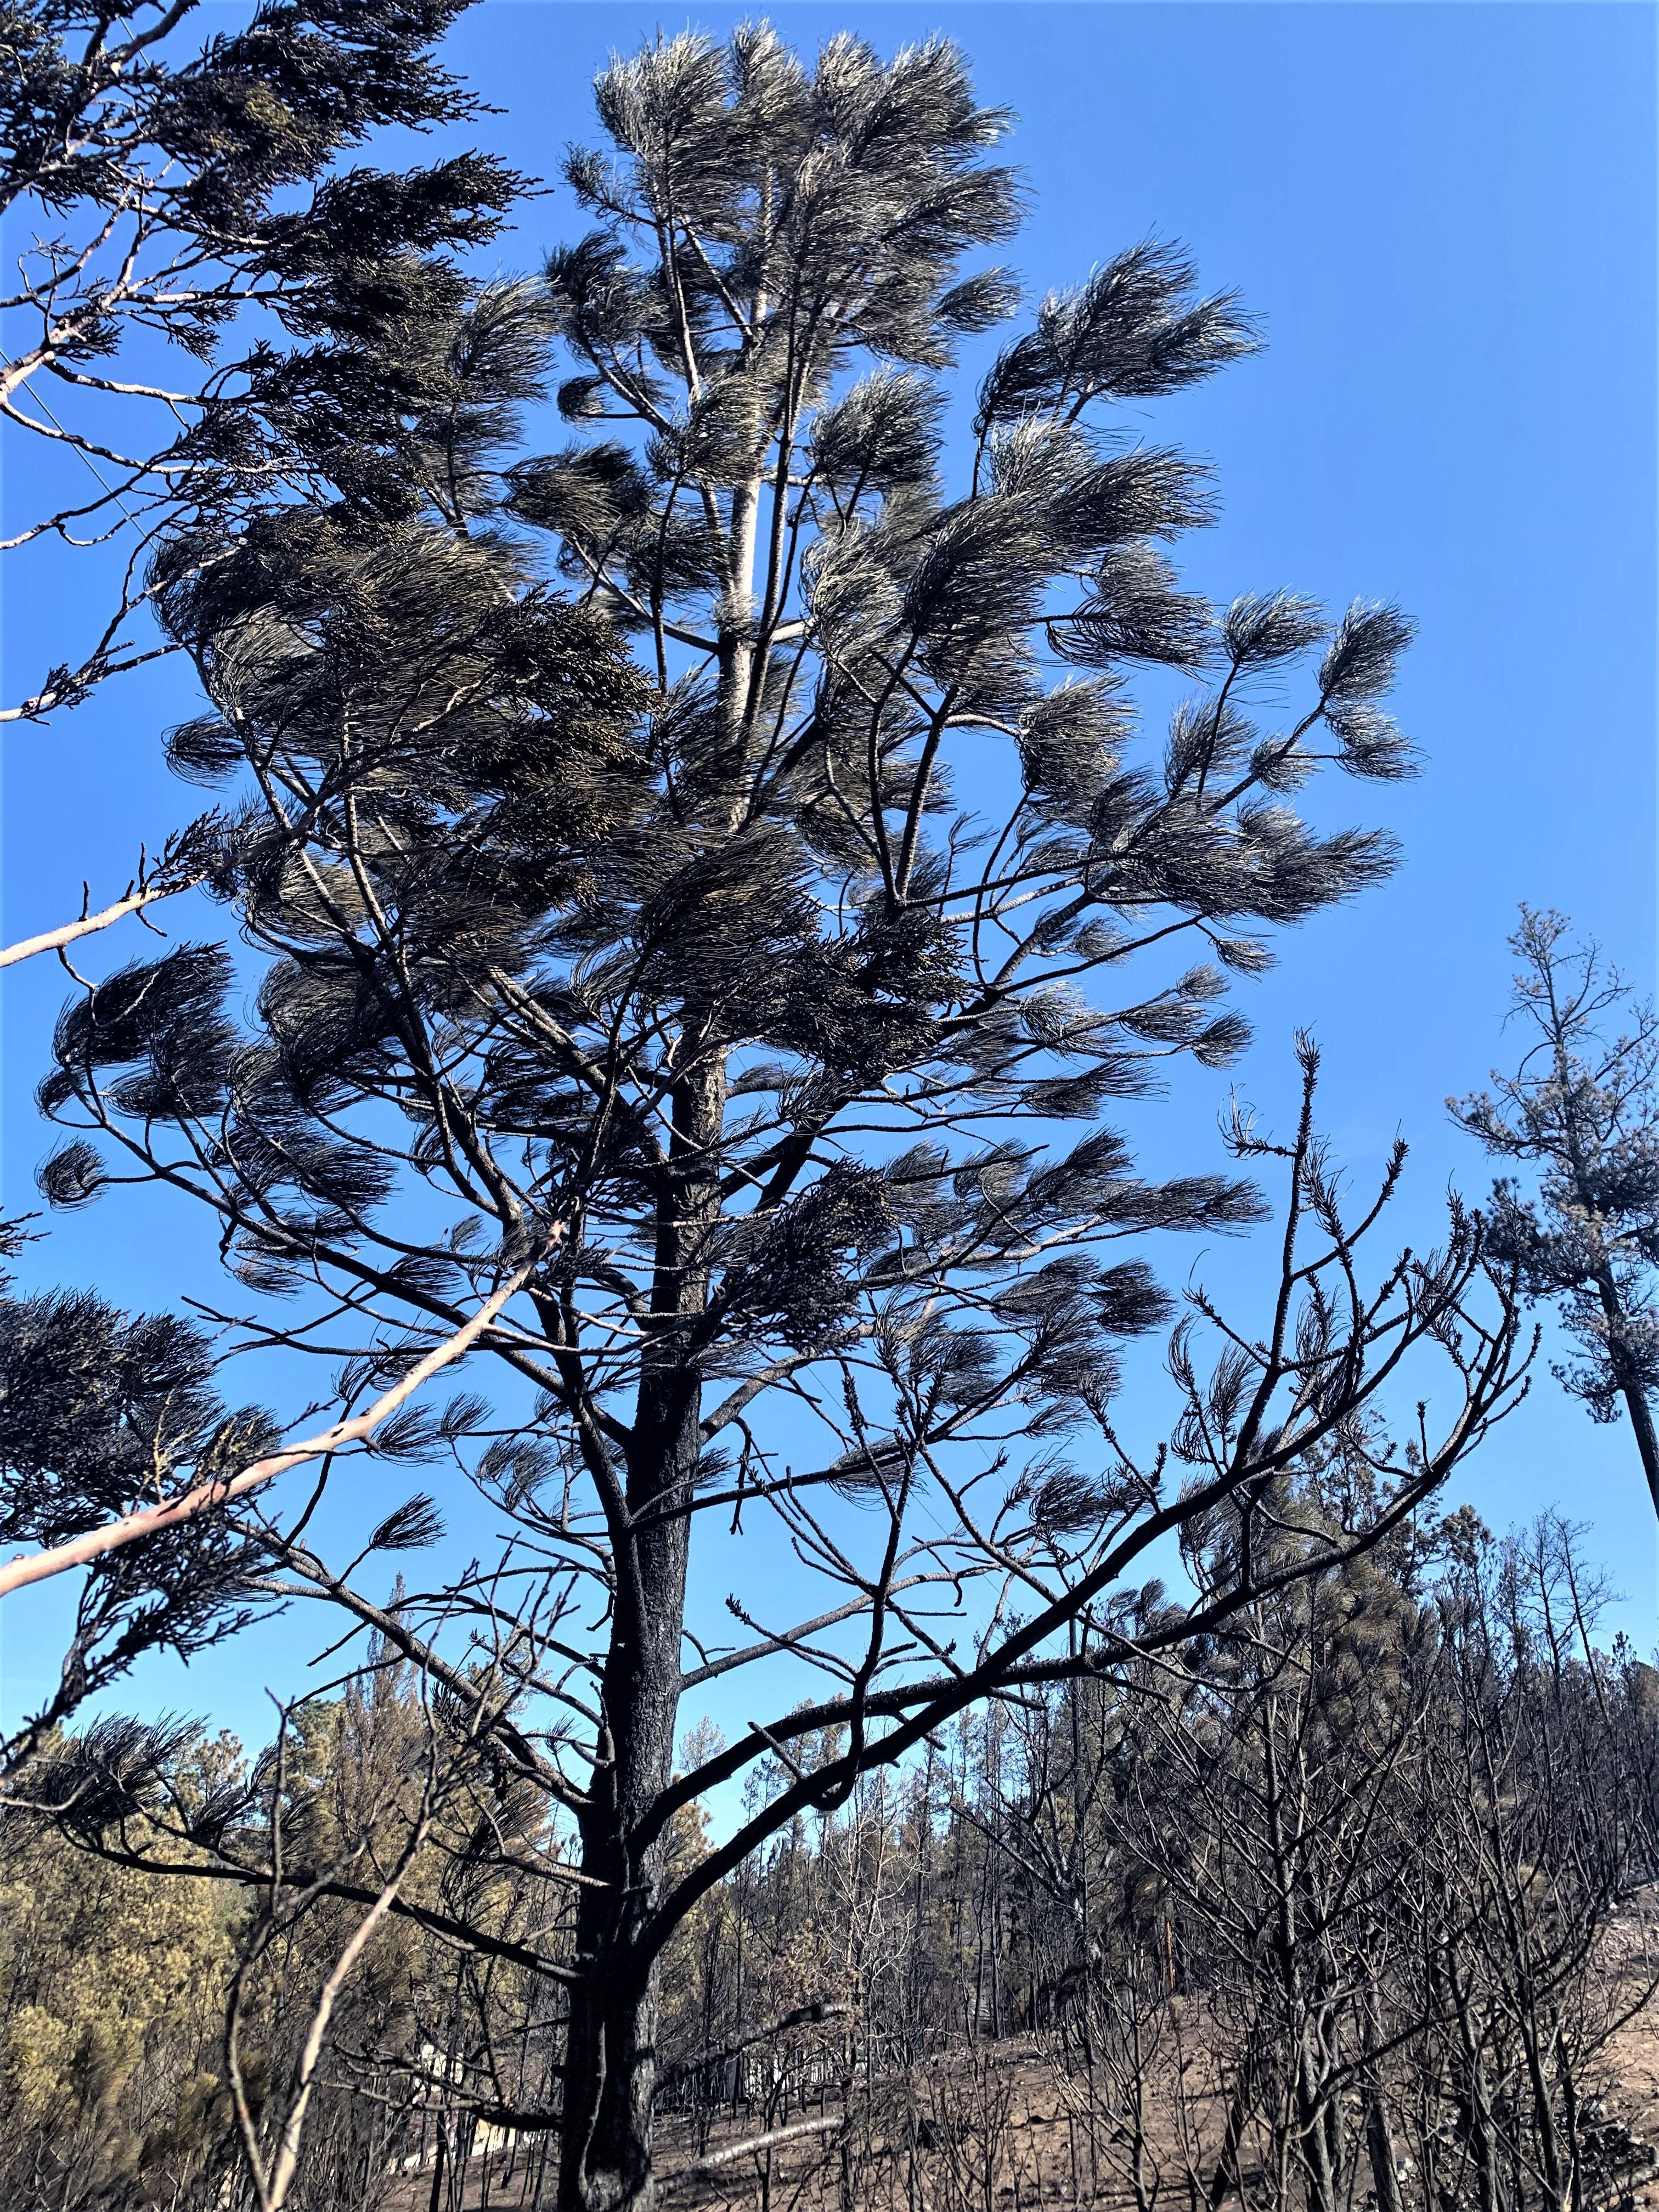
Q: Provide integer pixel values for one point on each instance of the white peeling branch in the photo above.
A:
(205, 1497)
(52, 941)
(730, 2152)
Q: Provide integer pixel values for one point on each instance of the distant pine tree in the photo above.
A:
(1581, 1109)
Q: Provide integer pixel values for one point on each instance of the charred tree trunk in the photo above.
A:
(604, 2163)
(1627, 1376)
(1379, 2134)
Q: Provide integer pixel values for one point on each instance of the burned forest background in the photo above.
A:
(1347, 1905)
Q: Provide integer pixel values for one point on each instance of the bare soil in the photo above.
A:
(1002, 2129)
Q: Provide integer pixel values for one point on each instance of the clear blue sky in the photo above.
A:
(1445, 217)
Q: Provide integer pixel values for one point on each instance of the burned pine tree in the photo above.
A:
(1581, 1110)
(697, 1046)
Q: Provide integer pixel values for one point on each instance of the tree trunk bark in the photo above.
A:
(1379, 2136)
(1630, 1383)
(1379, 2146)
(604, 2151)
(604, 2157)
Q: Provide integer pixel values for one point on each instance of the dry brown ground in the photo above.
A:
(1044, 2157)
(997, 2130)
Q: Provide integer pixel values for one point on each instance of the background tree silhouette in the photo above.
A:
(1581, 1109)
